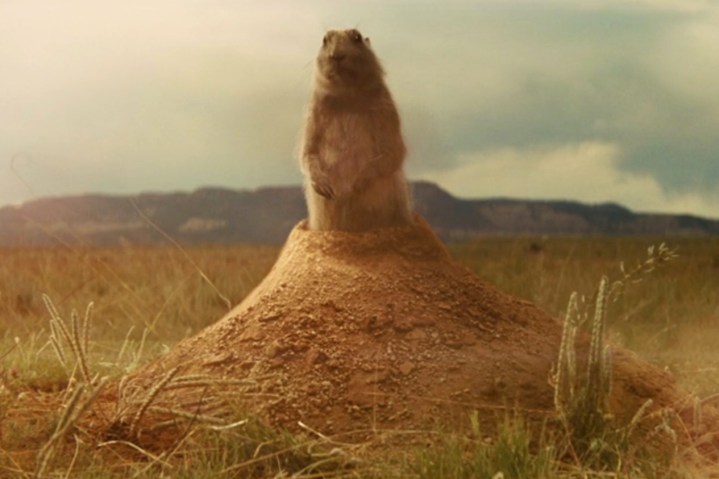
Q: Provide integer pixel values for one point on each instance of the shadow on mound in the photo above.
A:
(375, 330)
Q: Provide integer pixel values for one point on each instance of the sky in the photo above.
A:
(588, 100)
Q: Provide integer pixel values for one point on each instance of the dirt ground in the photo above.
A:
(374, 331)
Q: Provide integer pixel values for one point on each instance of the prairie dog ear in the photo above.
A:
(366, 39)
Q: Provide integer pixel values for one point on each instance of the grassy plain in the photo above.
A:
(148, 298)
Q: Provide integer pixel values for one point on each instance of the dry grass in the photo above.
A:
(159, 288)
(146, 299)
(670, 318)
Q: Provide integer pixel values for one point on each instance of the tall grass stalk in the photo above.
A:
(582, 401)
(76, 337)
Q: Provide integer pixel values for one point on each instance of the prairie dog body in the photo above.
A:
(352, 150)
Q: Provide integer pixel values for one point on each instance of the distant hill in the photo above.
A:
(266, 215)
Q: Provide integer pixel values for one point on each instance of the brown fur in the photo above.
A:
(352, 151)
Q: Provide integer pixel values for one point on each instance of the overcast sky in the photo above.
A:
(596, 100)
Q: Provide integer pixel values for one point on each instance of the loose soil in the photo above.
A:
(374, 331)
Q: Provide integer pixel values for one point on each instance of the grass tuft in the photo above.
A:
(511, 454)
(595, 439)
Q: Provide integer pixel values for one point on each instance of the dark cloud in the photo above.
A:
(523, 77)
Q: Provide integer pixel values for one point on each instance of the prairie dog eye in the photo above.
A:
(324, 40)
(356, 36)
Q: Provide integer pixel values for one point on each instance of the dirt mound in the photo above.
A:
(377, 330)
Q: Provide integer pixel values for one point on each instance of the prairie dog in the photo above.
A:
(352, 149)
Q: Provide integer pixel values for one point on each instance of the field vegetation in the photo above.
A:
(145, 299)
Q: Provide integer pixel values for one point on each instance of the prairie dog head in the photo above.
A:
(346, 61)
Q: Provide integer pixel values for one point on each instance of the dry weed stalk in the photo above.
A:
(190, 409)
(137, 448)
(177, 245)
(77, 337)
(582, 402)
(5, 375)
(74, 408)
(182, 414)
(150, 397)
(565, 376)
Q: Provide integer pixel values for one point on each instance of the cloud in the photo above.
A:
(130, 96)
(682, 6)
(633, 74)
(96, 96)
(588, 171)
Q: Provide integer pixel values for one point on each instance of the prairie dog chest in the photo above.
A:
(349, 139)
